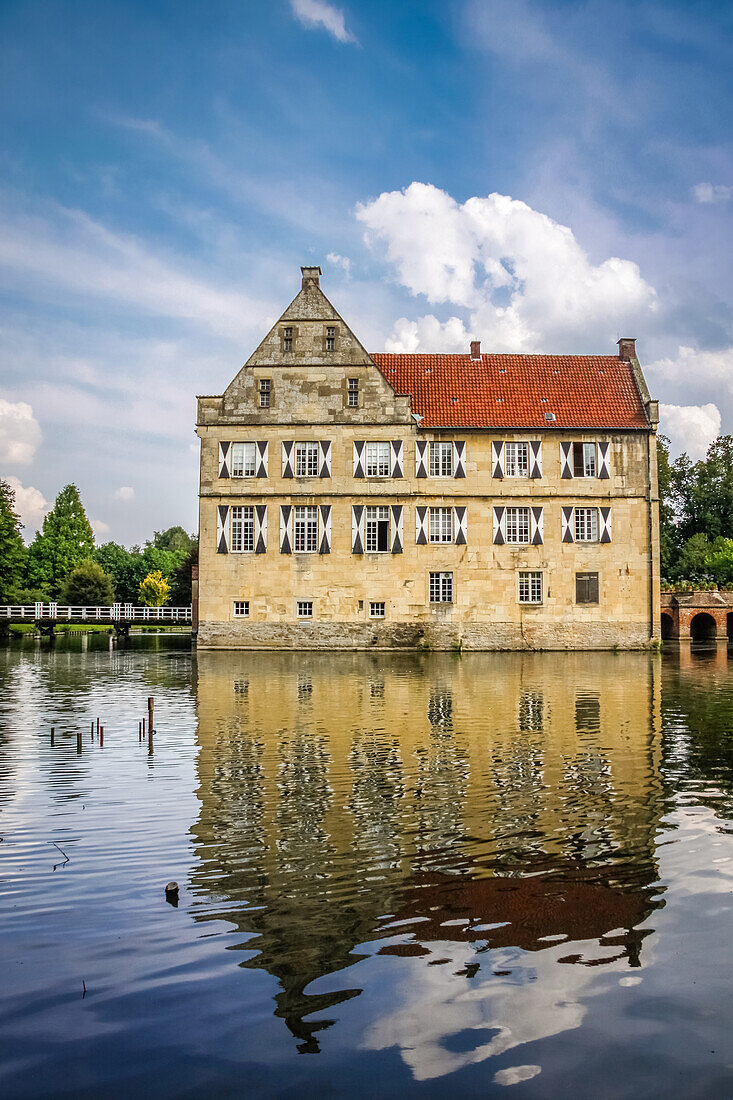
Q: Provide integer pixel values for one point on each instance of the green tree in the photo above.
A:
(175, 538)
(692, 562)
(154, 589)
(65, 541)
(667, 526)
(181, 582)
(719, 562)
(87, 584)
(12, 551)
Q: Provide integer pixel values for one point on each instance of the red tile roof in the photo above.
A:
(516, 391)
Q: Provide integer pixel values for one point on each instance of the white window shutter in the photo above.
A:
(397, 530)
(324, 450)
(421, 458)
(260, 528)
(224, 452)
(497, 459)
(460, 525)
(604, 533)
(222, 528)
(535, 458)
(397, 466)
(288, 459)
(499, 525)
(566, 465)
(603, 464)
(357, 528)
(568, 521)
(459, 458)
(261, 448)
(286, 528)
(421, 525)
(324, 529)
(359, 446)
(537, 526)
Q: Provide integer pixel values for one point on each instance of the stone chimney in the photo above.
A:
(311, 276)
(475, 349)
(627, 348)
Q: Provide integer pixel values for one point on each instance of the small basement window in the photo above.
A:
(305, 609)
(241, 609)
(376, 609)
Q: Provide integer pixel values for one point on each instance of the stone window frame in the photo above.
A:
(294, 338)
(353, 392)
(587, 573)
(531, 573)
(442, 573)
(336, 337)
(259, 379)
(378, 603)
(240, 614)
(300, 604)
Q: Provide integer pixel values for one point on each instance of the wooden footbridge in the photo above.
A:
(121, 616)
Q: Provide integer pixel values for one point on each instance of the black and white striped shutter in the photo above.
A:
(604, 532)
(260, 528)
(288, 459)
(261, 449)
(222, 528)
(359, 446)
(499, 524)
(224, 452)
(459, 458)
(357, 528)
(397, 530)
(286, 528)
(497, 459)
(536, 524)
(603, 466)
(566, 465)
(535, 458)
(568, 533)
(460, 525)
(421, 525)
(324, 529)
(421, 458)
(324, 455)
(397, 465)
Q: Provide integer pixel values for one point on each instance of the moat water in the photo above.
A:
(432, 875)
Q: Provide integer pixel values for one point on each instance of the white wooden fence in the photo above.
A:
(116, 613)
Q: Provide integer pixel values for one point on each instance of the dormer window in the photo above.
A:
(265, 390)
(353, 393)
(330, 338)
(288, 339)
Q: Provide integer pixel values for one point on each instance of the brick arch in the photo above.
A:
(688, 614)
(705, 627)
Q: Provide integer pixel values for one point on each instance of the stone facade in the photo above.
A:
(293, 393)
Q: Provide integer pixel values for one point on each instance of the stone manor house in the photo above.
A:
(356, 500)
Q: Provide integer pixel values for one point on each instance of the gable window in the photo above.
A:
(530, 587)
(441, 459)
(376, 609)
(265, 390)
(377, 530)
(306, 460)
(441, 588)
(306, 529)
(586, 588)
(242, 537)
(584, 460)
(330, 338)
(586, 525)
(377, 459)
(441, 525)
(243, 459)
(287, 339)
(353, 393)
(305, 609)
(517, 525)
(241, 611)
(516, 460)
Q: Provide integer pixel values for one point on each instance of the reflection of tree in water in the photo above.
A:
(375, 803)
(441, 783)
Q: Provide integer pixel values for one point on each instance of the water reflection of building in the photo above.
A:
(409, 803)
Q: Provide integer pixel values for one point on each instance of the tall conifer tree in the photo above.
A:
(65, 541)
(12, 551)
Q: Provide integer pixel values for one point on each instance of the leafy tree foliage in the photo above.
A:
(87, 584)
(130, 567)
(12, 551)
(65, 541)
(175, 538)
(696, 514)
(181, 594)
(154, 589)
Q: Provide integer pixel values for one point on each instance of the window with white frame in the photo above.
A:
(441, 525)
(376, 530)
(353, 393)
(586, 525)
(376, 609)
(305, 525)
(377, 459)
(441, 587)
(265, 391)
(306, 459)
(305, 609)
(530, 587)
(517, 525)
(516, 460)
(584, 460)
(241, 609)
(243, 459)
(242, 535)
(440, 459)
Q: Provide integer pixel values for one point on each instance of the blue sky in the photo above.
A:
(544, 176)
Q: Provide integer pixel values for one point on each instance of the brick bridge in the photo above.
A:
(697, 616)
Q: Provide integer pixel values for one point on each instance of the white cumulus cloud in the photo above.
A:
(428, 333)
(317, 13)
(19, 432)
(707, 193)
(340, 261)
(99, 527)
(690, 428)
(125, 494)
(30, 504)
(522, 280)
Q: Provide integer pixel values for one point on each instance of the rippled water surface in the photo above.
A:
(439, 875)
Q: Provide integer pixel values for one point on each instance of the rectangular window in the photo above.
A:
(377, 460)
(306, 460)
(441, 588)
(586, 525)
(353, 393)
(517, 525)
(377, 530)
(441, 460)
(241, 609)
(265, 390)
(586, 588)
(441, 525)
(305, 609)
(330, 338)
(376, 609)
(530, 588)
(242, 537)
(287, 339)
(584, 460)
(243, 459)
(516, 460)
(306, 529)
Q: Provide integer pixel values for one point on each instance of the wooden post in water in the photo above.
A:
(101, 737)
(150, 725)
(139, 731)
(97, 729)
(52, 732)
(78, 744)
